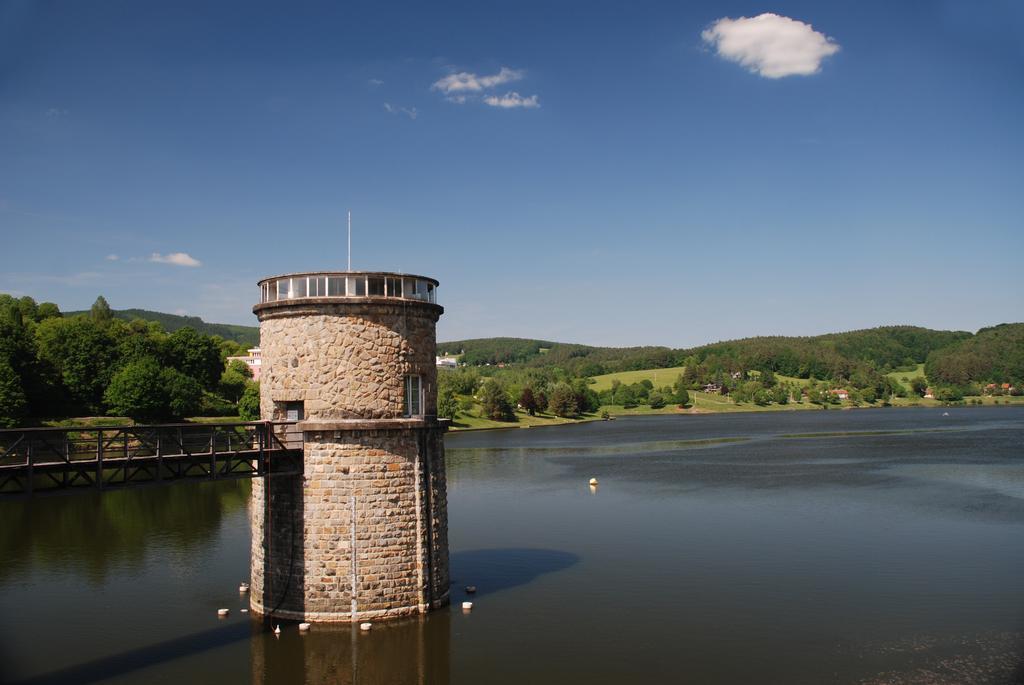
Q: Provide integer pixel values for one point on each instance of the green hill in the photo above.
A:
(994, 355)
(245, 335)
(831, 355)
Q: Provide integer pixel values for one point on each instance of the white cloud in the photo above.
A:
(112, 258)
(410, 112)
(511, 100)
(375, 82)
(466, 82)
(770, 45)
(175, 258)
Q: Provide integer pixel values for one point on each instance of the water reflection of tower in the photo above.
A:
(362, 533)
(415, 650)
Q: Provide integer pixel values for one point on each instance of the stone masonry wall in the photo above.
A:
(347, 361)
(397, 479)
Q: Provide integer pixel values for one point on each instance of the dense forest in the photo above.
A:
(249, 336)
(94, 364)
(830, 356)
(994, 355)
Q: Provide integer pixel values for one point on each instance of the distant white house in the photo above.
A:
(447, 362)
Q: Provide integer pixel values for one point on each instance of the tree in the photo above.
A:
(232, 384)
(100, 311)
(83, 353)
(767, 378)
(562, 401)
(249, 403)
(625, 395)
(496, 404)
(184, 394)
(918, 384)
(656, 400)
(241, 367)
(586, 398)
(542, 400)
(195, 355)
(447, 405)
(949, 393)
(682, 396)
(13, 402)
(690, 378)
(528, 401)
(47, 310)
(138, 391)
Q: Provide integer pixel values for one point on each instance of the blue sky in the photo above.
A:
(607, 173)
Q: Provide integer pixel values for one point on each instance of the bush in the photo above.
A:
(656, 400)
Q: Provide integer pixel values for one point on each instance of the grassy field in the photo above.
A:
(660, 377)
(665, 377)
(898, 376)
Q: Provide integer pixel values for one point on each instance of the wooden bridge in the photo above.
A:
(37, 460)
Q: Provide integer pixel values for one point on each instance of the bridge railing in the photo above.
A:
(37, 459)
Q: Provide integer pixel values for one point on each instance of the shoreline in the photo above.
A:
(696, 411)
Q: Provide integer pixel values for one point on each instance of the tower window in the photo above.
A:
(413, 396)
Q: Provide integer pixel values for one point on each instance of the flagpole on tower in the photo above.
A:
(350, 240)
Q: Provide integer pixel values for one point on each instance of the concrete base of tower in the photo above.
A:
(348, 616)
(362, 533)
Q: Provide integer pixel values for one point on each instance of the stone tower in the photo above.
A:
(363, 532)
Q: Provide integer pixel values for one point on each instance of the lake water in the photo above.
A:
(867, 546)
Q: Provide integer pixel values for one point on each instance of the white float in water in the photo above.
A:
(277, 629)
(365, 626)
(470, 589)
(244, 587)
(593, 481)
(303, 627)
(467, 606)
(223, 612)
(244, 611)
